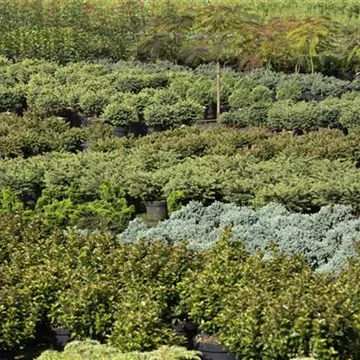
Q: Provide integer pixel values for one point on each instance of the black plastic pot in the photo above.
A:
(210, 112)
(211, 351)
(84, 145)
(188, 330)
(18, 110)
(84, 120)
(156, 210)
(138, 129)
(120, 131)
(62, 338)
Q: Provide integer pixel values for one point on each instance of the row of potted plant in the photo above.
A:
(139, 296)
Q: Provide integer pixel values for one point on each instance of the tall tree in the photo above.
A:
(219, 33)
(164, 33)
(312, 36)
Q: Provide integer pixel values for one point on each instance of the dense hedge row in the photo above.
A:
(92, 350)
(32, 136)
(164, 96)
(272, 36)
(326, 239)
(129, 294)
(301, 183)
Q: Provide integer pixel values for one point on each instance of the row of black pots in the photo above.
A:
(208, 350)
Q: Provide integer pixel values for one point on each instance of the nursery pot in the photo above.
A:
(84, 145)
(156, 210)
(120, 131)
(211, 351)
(62, 337)
(84, 120)
(188, 330)
(138, 128)
(210, 112)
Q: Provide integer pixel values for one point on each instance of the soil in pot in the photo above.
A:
(120, 131)
(211, 350)
(156, 210)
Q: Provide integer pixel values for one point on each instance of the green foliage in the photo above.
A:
(92, 350)
(9, 97)
(176, 200)
(304, 116)
(120, 113)
(109, 211)
(288, 91)
(138, 325)
(32, 135)
(160, 117)
(93, 103)
(349, 116)
(83, 281)
(271, 307)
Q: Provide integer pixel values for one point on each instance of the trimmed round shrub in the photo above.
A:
(244, 97)
(350, 113)
(10, 97)
(293, 116)
(288, 91)
(120, 113)
(131, 83)
(187, 112)
(93, 103)
(160, 117)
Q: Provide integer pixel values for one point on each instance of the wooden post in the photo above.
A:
(218, 105)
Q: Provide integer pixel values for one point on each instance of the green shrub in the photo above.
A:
(18, 315)
(293, 116)
(9, 97)
(349, 116)
(109, 211)
(160, 117)
(131, 83)
(92, 350)
(288, 91)
(138, 325)
(203, 91)
(47, 100)
(176, 200)
(120, 113)
(187, 112)
(92, 103)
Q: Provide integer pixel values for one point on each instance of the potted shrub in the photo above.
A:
(160, 117)
(211, 349)
(148, 187)
(120, 115)
(140, 101)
